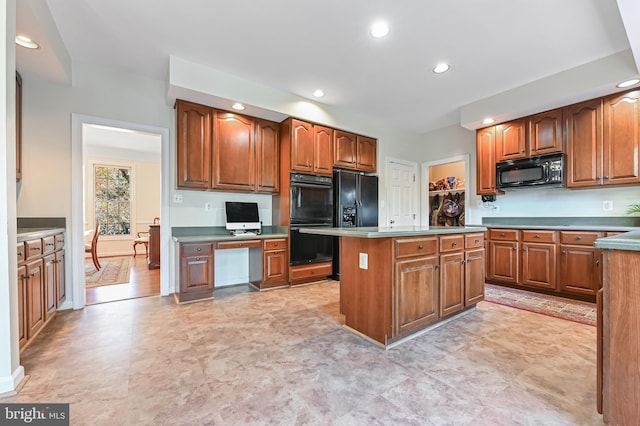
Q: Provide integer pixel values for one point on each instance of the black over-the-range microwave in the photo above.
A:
(547, 170)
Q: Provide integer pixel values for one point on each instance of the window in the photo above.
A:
(113, 199)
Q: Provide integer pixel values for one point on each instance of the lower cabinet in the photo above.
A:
(275, 263)
(35, 308)
(580, 263)
(504, 255)
(61, 286)
(474, 276)
(452, 283)
(50, 296)
(416, 293)
(196, 271)
(539, 259)
(22, 305)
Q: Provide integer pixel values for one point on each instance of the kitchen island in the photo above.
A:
(398, 282)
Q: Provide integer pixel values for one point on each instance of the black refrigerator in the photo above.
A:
(356, 204)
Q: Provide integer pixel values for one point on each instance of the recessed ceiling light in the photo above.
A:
(238, 106)
(488, 121)
(379, 29)
(318, 93)
(26, 42)
(629, 83)
(440, 68)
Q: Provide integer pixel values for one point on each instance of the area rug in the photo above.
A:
(559, 307)
(115, 270)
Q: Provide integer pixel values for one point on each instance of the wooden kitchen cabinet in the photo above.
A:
(153, 260)
(486, 161)
(193, 145)
(322, 150)
(580, 263)
(35, 297)
(267, 156)
(302, 146)
(233, 152)
(50, 293)
(416, 283)
(196, 271)
(452, 278)
(511, 140)
(544, 133)
(583, 132)
(275, 263)
(354, 152)
(61, 284)
(462, 272)
(504, 255)
(621, 139)
(539, 254)
(22, 305)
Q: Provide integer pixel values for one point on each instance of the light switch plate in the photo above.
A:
(177, 198)
(607, 206)
(364, 261)
(208, 207)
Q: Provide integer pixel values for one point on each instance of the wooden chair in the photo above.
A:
(142, 237)
(93, 247)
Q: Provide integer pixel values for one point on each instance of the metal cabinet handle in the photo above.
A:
(579, 237)
(537, 235)
(420, 247)
(19, 254)
(597, 263)
(564, 252)
(477, 241)
(33, 274)
(514, 248)
(606, 177)
(49, 244)
(199, 249)
(197, 259)
(454, 244)
(437, 266)
(524, 250)
(36, 248)
(502, 234)
(275, 244)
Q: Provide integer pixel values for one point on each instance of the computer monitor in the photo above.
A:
(242, 216)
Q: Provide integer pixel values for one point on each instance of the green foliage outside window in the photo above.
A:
(113, 199)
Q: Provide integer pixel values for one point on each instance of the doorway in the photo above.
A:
(444, 195)
(79, 223)
(402, 192)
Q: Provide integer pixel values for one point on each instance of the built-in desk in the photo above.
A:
(195, 254)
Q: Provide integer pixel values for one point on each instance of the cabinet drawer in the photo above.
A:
(579, 237)
(613, 233)
(278, 244)
(415, 246)
(320, 271)
(504, 234)
(473, 241)
(59, 241)
(21, 252)
(239, 244)
(48, 244)
(539, 236)
(196, 248)
(451, 243)
(33, 248)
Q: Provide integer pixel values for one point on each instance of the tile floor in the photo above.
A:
(281, 357)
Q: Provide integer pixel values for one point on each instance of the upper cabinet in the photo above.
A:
(322, 150)
(18, 127)
(583, 129)
(225, 151)
(621, 138)
(311, 147)
(354, 152)
(544, 133)
(510, 141)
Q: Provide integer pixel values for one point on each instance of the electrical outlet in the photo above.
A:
(364, 261)
(177, 198)
(208, 207)
(607, 206)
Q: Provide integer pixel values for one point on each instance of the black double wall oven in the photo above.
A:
(311, 205)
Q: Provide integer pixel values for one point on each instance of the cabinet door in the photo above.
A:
(366, 154)
(35, 297)
(50, 296)
(233, 152)
(194, 128)
(344, 149)
(539, 265)
(61, 284)
(275, 267)
(22, 305)
(416, 293)
(544, 133)
(268, 157)
(583, 129)
(504, 263)
(301, 146)
(621, 140)
(474, 276)
(486, 161)
(196, 272)
(580, 270)
(510, 141)
(452, 278)
(323, 150)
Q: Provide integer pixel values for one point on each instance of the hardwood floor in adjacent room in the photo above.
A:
(143, 282)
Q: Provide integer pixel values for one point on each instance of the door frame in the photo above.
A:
(76, 230)
(414, 204)
(424, 188)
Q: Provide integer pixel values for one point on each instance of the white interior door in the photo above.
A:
(402, 193)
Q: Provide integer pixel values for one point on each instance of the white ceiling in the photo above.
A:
(297, 46)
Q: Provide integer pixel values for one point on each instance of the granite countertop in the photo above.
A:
(25, 234)
(604, 223)
(628, 241)
(398, 231)
(564, 227)
(193, 234)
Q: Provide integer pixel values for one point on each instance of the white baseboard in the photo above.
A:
(9, 384)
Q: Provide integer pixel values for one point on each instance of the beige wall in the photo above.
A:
(443, 171)
(145, 197)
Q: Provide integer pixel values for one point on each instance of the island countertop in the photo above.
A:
(629, 241)
(395, 231)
